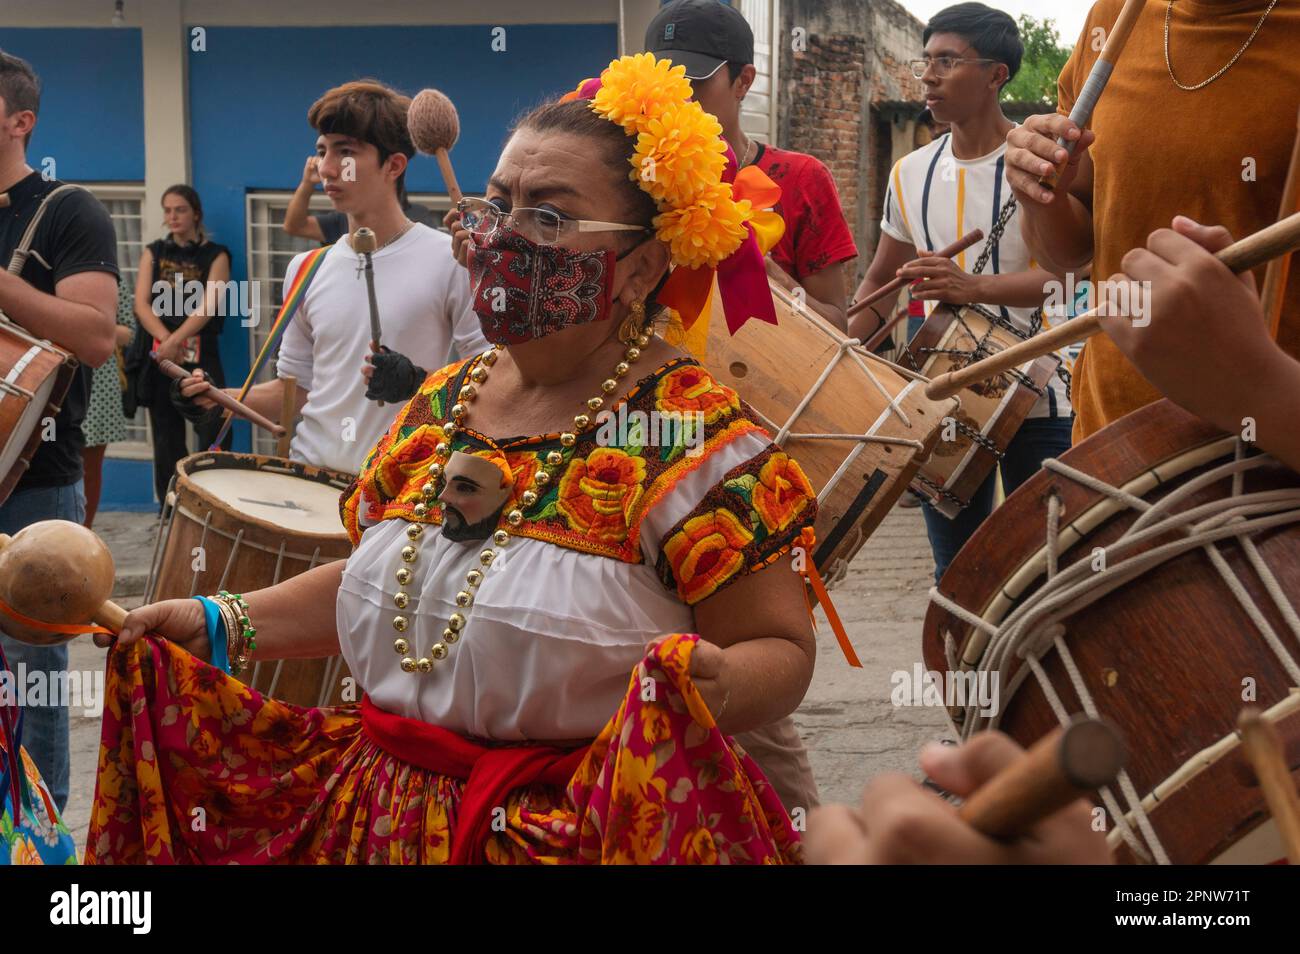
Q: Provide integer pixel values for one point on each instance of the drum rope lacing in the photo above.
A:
(1035, 626)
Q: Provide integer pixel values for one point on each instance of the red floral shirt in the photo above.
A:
(816, 233)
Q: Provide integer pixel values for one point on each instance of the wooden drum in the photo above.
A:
(1151, 577)
(858, 425)
(34, 377)
(991, 412)
(242, 522)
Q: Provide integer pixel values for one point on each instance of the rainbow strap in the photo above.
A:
(310, 266)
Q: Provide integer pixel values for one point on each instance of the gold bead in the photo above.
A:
(439, 651)
(450, 429)
(442, 450)
(474, 577)
(421, 509)
(458, 411)
(408, 554)
(643, 340)
(580, 422)
(429, 490)
(632, 353)
(500, 538)
(456, 622)
(414, 530)
(450, 636)
(401, 600)
(400, 623)
(401, 646)
(408, 664)
(608, 385)
(622, 368)
(515, 517)
(425, 664)
(464, 598)
(486, 557)
(528, 498)
(542, 478)
(468, 392)
(595, 403)
(403, 576)
(435, 471)
(554, 458)
(478, 375)
(568, 439)
(490, 357)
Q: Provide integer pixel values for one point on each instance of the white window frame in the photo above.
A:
(758, 112)
(139, 447)
(266, 268)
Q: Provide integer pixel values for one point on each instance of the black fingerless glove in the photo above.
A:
(395, 378)
(189, 410)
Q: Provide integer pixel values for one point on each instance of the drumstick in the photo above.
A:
(1274, 288)
(1254, 250)
(363, 242)
(1062, 766)
(1260, 739)
(288, 411)
(173, 370)
(1098, 77)
(895, 284)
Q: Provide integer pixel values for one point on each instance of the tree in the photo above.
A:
(1042, 63)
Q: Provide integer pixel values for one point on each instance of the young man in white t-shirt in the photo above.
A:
(942, 191)
(423, 296)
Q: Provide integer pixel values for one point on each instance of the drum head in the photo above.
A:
(277, 493)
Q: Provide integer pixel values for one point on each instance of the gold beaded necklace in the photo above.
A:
(546, 472)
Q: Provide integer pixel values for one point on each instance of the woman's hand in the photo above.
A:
(180, 621)
(170, 347)
(900, 822)
(711, 675)
(459, 236)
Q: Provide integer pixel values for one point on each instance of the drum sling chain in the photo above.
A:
(1036, 626)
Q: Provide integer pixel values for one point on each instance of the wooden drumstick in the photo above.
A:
(1254, 250)
(1260, 740)
(1066, 764)
(894, 285)
(1098, 77)
(1273, 291)
(288, 411)
(173, 370)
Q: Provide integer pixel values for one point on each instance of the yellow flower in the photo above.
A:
(679, 154)
(635, 89)
(708, 230)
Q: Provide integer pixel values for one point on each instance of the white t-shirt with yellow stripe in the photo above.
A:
(934, 198)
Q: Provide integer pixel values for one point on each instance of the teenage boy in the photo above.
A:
(66, 293)
(945, 189)
(716, 45)
(424, 301)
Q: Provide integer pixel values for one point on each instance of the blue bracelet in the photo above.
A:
(217, 635)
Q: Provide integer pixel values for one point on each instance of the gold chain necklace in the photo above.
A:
(1169, 12)
(410, 552)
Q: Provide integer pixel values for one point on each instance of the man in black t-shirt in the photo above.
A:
(66, 293)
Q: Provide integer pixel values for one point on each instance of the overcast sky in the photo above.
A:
(1068, 14)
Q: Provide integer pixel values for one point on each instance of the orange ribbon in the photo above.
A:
(66, 629)
(808, 540)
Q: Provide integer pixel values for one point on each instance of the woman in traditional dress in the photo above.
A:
(558, 618)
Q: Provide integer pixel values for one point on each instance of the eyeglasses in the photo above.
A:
(542, 226)
(942, 65)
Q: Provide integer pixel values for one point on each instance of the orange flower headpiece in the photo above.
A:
(716, 220)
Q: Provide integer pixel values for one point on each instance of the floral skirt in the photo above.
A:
(31, 833)
(195, 767)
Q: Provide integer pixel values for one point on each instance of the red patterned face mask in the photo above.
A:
(523, 291)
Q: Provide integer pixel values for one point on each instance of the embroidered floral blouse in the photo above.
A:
(646, 518)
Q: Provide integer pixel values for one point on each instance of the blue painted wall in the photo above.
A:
(92, 102)
(251, 88)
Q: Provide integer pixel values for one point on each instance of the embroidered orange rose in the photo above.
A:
(408, 459)
(782, 492)
(706, 552)
(524, 465)
(597, 493)
(691, 390)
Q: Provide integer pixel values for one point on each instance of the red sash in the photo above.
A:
(489, 774)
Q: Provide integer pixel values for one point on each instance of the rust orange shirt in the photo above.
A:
(1217, 154)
